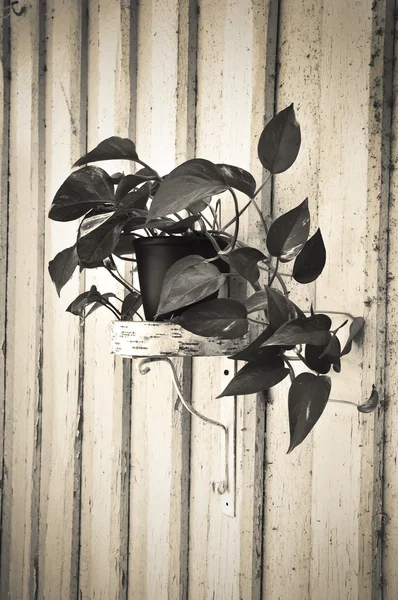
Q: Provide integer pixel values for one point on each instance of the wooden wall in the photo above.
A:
(108, 489)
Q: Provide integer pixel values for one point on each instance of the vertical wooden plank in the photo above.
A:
(22, 434)
(288, 477)
(235, 88)
(104, 518)
(165, 135)
(353, 211)
(4, 157)
(389, 511)
(343, 112)
(61, 439)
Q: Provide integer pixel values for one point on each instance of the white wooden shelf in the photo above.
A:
(147, 338)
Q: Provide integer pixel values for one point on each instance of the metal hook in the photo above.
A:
(144, 368)
(11, 7)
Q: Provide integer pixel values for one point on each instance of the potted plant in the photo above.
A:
(169, 226)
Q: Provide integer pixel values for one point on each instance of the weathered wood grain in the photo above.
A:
(353, 214)
(387, 519)
(334, 57)
(4, 157)
(62, 402)
(165, 135)
(24, 350)
(106, 409)
(234, 79)
(287, 516)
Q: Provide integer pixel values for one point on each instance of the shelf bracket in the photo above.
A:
(226, 486)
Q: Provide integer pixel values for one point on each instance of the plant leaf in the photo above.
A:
(355, 327)
(280, 308)
(113, 147)
(251, 352)
(244, 261)
(190, 182)
(62, 267)
(289, 232)
(308, 396)
(136, 199)
(371, 404)
(258, 301)
(188, 280)
(92, 220)
(171, 226)
(84, 189)
(256, 377)
(314, 330)
(222, 317)
(131, 303)
(280, 141)
(98, 305)
(79, 304)
(125, 244)
(239, 179)
(100, 243)
(316, 360)
(128, 183)
(311, 260)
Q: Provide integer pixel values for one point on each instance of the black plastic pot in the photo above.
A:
(156, 255)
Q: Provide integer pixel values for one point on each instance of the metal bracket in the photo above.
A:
(228, 417)
(227, 485)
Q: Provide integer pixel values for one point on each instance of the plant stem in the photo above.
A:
(289, 366)
(120, 279)
(239, 215)
(262, 185)
(256, 322)
(112, 308)
(236, 232)
(274, 273)
(141, 162)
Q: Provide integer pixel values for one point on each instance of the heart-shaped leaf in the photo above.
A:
(97, 305)
(314, 330)
(258, 301)
(136, 199)
(316, 360)
(333, 348)
(117, 177)
(78, 305)
(190, 182)
(356, 325)
(308, 396)
(280, 141)
(371, 404)
(92, 220)
(113, 147)
(62, 267)
(100, 243)
(244, 261)
(188, 280)
(200, 205)
(128, 183)
(223, 317)
(256, 377)
(239, 179)
(310, 262)
(125, 244)
(289, 232)
(131, 304)
(251, 352)
(171, 226)
(280, 309)
(83, 190)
